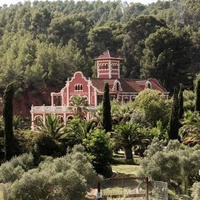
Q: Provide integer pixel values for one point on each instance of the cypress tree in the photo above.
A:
(107, 120)
(8, 121)
(197, 102)
(180, 98)
(174, 123)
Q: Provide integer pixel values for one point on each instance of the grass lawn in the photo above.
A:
(127, 170)
(126, 185)
(121, 186)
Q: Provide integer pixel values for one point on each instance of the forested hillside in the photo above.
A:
(43, 43)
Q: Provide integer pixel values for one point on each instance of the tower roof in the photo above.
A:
(108, 55)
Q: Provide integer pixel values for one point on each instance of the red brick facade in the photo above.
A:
(108, 71)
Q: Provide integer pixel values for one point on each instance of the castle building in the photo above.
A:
(92, 89)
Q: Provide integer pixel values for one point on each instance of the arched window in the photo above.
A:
(61, 120)
(148, 85)
(38, 121)
(70, 117)
(78, 87)
(117, 86)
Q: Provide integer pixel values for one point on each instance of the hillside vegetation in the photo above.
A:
(43, 43)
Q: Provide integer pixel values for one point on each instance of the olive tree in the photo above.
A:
(173, 163)
(196, 191)
(67, 177)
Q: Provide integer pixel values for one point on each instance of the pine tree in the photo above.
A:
(107, 120)
(197, 103)
(174, 123)
(8, 121)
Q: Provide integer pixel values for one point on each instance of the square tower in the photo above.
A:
(108, 65)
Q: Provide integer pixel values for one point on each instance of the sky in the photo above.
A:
(8, 2)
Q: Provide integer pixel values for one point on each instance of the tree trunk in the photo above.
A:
(128, 153)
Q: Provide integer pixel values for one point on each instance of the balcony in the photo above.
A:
(56, 109)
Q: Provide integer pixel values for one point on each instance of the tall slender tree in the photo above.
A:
(174, 123)
(197, 102)
(180, 97)
(107, 120)
(8, 121)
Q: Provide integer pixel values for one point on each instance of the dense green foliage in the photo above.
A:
(66, 177)
(173, 163)
(190, 129)
(130, 136)
(196, 190)
(154, 105)
(163, 57)
(43, 43)
(98, 146)
(135, 125)
(8, 121)
(80, 103)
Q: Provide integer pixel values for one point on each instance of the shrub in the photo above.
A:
(46, 145)
(154, 106)
(98, 147)
(14, 169)
(26, 140)
(67, 177)
(42, 184)
(196, 191)
(175, 163)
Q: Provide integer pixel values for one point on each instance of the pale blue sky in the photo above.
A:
(8, 2)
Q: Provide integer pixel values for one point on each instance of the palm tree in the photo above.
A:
(121, 112)
(98, 116)
(129, 135)
(76, 130)
(190, 130)
(18, 123)
(47, 143)
(79, 103)
(52, 126)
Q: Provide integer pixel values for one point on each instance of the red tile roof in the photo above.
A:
(100, 82)
(127, 85)
(108, 55)
(155, 85)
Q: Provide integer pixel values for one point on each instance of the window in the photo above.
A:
(148, 85)
(103, 66)
(117, 86)
(115, 67)
(78, 87)
(38, 121)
